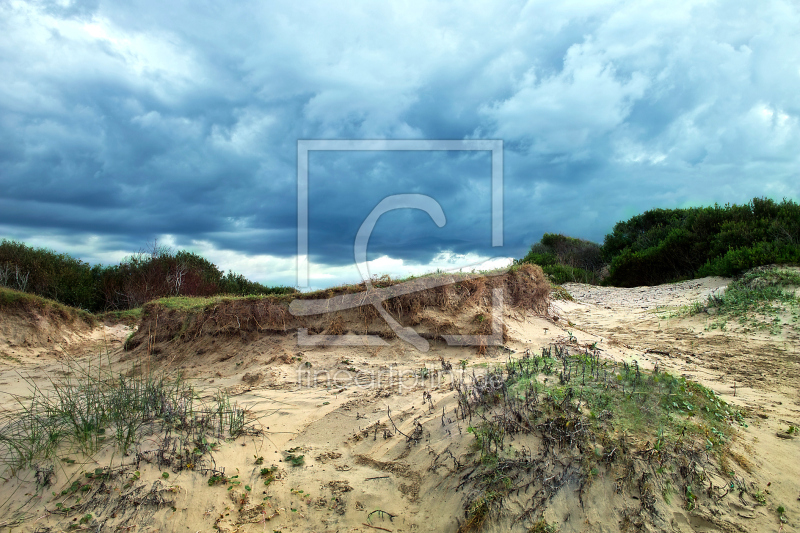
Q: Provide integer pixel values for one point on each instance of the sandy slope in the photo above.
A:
(758, 371)
(361, 474)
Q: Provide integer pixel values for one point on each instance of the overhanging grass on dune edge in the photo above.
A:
(190, 303)
(14, 300)
(411, 301)
(199, 303)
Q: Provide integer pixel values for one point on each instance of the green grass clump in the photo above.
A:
(650, 404)
(128, 316)
(757, 300)
(88, 409)
(682, 311)
(192, 303)
(11, 299)
(541, 526)
(585, 413)
(557, 292)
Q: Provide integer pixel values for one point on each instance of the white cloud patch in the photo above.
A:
(273, 270)
(567, 111)
(249, 135)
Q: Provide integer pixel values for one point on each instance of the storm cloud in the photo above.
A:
(125, 122)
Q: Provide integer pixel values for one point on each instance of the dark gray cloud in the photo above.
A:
(125, 122)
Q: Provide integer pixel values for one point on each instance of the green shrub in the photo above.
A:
(140, 278)
(738, 260)
(48, 274)
(566, 259)
(664, 245)
(560, 274)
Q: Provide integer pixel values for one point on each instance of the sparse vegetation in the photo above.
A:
(86, 410)
(758, 300)
(666, 312)
(586, 413)
(560, 293)
(541, 526)
(293, 458)
(782, 514)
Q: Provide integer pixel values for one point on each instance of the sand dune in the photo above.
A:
(384, 444)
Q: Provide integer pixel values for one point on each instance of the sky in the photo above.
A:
(123, 123)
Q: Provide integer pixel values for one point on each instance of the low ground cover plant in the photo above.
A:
(761, 299)
(649, 431)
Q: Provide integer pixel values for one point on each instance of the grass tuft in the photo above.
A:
(758, 300)
(86, 410)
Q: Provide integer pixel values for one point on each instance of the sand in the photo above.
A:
(359, 472)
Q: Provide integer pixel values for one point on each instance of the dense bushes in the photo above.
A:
(566, 259)
(664, 245)
(233, 283)
(741, 259)
(56, 276)
(141, 277)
